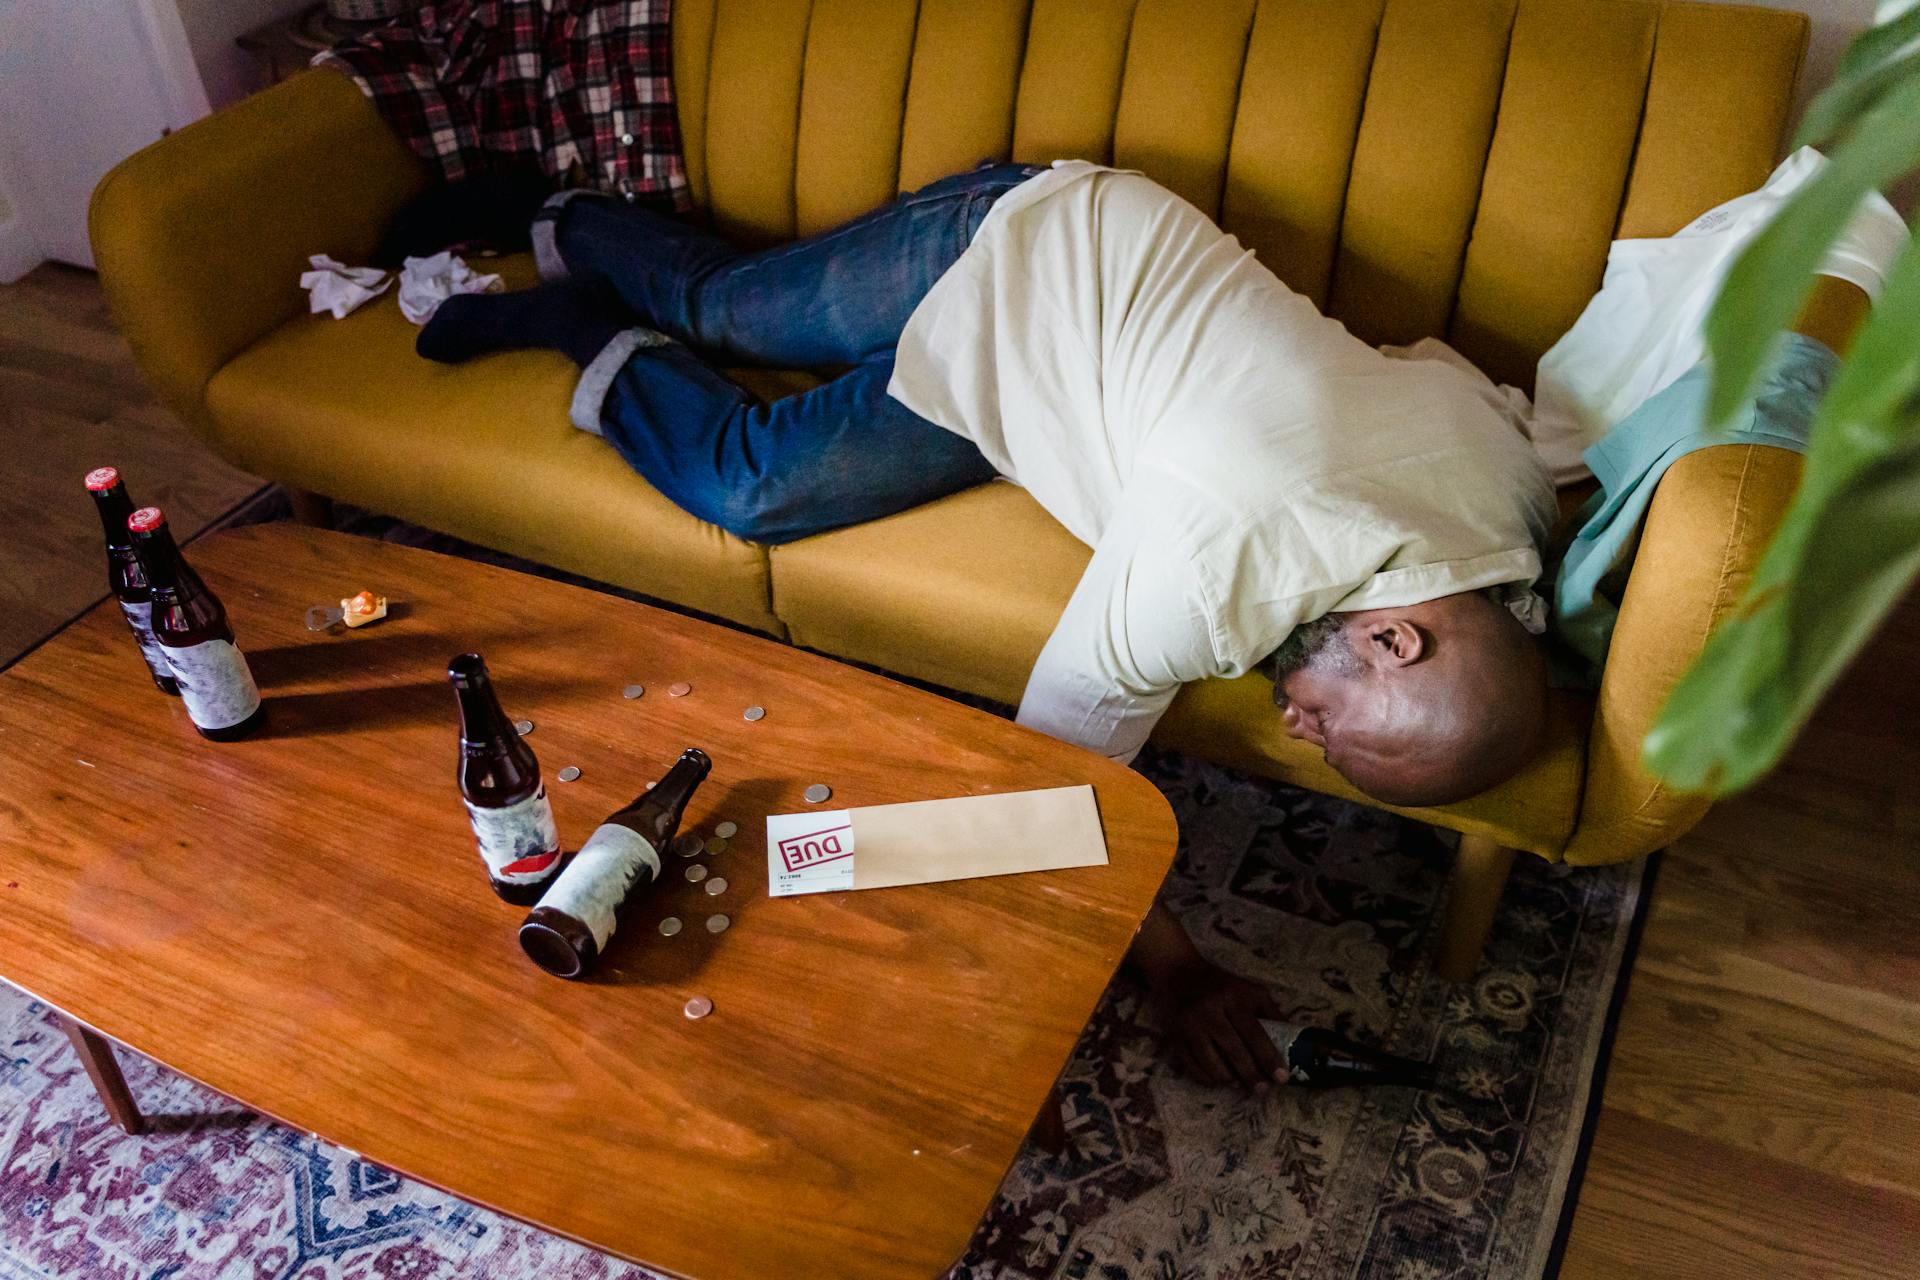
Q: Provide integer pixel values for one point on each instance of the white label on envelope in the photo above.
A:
(809, 852)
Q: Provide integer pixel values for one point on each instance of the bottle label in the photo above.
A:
(1284, 1035)
(520, 842)
(600, 876)
(140, 618)
(214, 683)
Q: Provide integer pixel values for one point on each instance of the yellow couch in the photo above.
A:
(1418, 167)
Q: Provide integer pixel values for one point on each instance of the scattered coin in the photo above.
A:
(817, 792)
(699, 1007)
(755, 713)
(716, 844)
(670, 926)
(696, 873)
(680, 690)
(686, 844)
(717, 886)
(717, 924)
(725, 830)
(523, 727)
(569, 773)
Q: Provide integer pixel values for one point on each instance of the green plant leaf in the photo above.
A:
(1774, 274)
(1879, 57)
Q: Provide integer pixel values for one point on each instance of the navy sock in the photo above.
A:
(564, 316)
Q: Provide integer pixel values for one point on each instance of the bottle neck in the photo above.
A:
(114, 506)
(656, 814)
(482, 722)
(160, 559)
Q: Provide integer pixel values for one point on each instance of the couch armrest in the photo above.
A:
(1711, 520)
(200, 239)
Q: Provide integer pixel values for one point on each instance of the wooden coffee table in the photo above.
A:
(300, 920)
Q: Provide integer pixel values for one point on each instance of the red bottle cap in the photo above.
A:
(101, 479)
(146, 519)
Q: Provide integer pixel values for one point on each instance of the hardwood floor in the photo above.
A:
(1762, 1111)
(71, 399)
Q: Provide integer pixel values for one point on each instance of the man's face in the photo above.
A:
(1315, 675)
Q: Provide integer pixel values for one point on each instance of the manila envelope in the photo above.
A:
(923, 841)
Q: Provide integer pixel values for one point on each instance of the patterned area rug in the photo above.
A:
(1334, 907)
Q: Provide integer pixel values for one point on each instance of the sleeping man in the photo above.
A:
(1258, 486)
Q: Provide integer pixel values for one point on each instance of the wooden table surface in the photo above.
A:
(300, 920)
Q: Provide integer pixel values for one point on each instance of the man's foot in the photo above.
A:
(1211, 1019)
(565, 316)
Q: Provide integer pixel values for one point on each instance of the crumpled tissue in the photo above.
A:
(425, 283)
(339, 288)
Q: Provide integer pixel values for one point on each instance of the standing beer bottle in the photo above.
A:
(191, 625)
(500, 781)
(125, 578)
(569, 930)
(1319, 1058)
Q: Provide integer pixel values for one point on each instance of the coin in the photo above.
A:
(725, 830)
(717, 886)
(754, 713)
(699, 1007)
(633, 691)
(686, 844)
(523, 727)
(680, 690)
(696, 873)
(569, 773)
(716, 844)
(670, 926)
(817, 792)
(717, 924)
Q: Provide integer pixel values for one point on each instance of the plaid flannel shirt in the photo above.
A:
(581, 88)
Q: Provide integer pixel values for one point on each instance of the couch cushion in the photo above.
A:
(483, 451)
(964, 592)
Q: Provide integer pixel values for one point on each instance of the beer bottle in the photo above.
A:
(568, 931)
(125, 578)
(191, 625)
(500, 782)
(1319, 1058)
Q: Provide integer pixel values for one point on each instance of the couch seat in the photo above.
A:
(483, 451)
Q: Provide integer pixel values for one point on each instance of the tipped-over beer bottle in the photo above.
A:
(1319, 1058)
(567, 933)
(500, 781)
(191, 625)
(125, 578)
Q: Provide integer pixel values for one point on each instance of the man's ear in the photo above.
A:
(1394, 642)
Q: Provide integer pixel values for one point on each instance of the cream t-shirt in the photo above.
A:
(1239, 463)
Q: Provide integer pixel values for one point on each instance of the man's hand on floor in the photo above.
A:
(1210, 1018)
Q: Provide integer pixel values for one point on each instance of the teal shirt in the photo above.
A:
(1589, 570)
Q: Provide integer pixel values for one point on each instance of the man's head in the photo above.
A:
(1424, 704)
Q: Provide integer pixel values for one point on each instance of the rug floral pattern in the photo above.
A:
(1332, 905)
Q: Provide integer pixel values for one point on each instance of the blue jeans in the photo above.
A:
(839, 454)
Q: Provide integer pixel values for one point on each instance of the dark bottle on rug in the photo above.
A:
(125, 578)
(567, 933)
(191, 625)
(500, 782)
(1320, 1059)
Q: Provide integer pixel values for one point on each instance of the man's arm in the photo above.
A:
(1134, 631)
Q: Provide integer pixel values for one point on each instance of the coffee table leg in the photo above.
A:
(1049, 1130)
(96, 1055)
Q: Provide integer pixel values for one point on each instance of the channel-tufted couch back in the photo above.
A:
(1417, 167)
